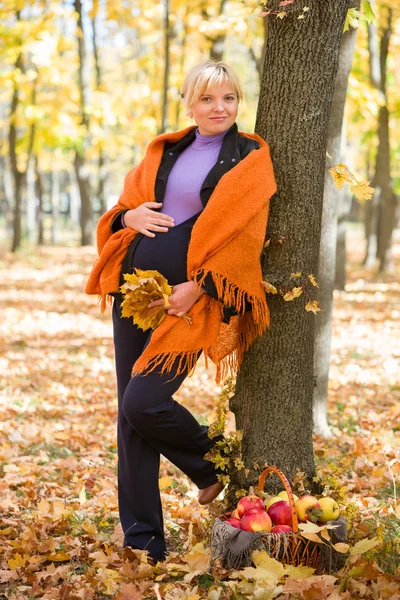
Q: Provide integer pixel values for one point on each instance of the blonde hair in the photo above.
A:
(204, 75)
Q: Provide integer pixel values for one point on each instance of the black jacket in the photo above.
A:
(235, 147)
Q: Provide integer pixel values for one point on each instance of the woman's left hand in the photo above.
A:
(184, 295)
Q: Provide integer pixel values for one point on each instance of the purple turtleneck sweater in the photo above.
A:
(182, 195)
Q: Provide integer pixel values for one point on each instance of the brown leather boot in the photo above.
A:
(209, 493)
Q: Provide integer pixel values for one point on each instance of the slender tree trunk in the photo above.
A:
(387, 213)
(274, 391)
(18, 176)
(55, 204)
(167, 37)
(81, 168)
(344, 206)
(327, 252)
(259, 61)
(7, 195)
(380, 214)
(101, 162)
(31, 201)
(39, 208)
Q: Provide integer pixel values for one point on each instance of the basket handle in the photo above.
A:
(261, 480)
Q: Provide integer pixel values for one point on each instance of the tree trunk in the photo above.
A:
(55, 204)
(380, 212)
(101, 162)
(30, 201)
(18, 176)
(7, 195)
(39, 208)
(259, 61)
(387, 213)
(167, 36)
(81, 169)
(274, 391)
(327, 252)
(344, 207)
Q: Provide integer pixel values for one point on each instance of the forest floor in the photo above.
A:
(59, 531)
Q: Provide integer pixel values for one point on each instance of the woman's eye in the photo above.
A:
(230, 98)
(206, 99)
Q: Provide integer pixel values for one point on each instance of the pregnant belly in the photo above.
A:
(166, 252)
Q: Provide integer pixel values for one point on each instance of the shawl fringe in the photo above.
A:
(227, 365)
(230, 294)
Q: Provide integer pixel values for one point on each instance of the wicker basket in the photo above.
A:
(235, 546)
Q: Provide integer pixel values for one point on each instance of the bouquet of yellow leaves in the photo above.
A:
(141, 288)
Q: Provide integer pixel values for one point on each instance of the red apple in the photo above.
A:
(248, 502)
(280, 513)
(281, 529)
(235, 514)
(256, 520)
(234, 522)
(308, 509)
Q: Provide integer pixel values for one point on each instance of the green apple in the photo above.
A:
(330, 509)
(272, 501)
(284, 496)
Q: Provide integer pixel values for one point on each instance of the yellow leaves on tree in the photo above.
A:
(293, 293)
(341, 174)
(141, 288)
(312, 306)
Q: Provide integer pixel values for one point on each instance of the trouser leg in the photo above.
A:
(138, 463)
(151, 422)
(167, 426)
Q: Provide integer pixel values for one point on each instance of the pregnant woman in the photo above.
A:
(195, 209)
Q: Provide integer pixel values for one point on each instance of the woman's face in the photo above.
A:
(216, 109)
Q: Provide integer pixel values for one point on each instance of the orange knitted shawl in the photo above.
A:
(227, 240)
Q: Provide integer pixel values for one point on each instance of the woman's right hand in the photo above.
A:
(145, 219)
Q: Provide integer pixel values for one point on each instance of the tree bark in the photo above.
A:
(327, 252)
(55, 204)
(273, 399)
(383, 180)
(380, 213)
(101, 161)
(81, 169)
(18, 176)
(39, 208)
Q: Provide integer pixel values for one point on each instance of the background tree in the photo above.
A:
(327, 251)
(276, 381)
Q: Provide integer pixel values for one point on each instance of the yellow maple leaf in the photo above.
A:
(141, 288)
(58, 556)
(198, 558)
(295, 275)
(298, 572)
(312, 306)
(313, 280)
(362, 190)
(281, 14)
(292, 294)
(340, 174)
(363, 546)
(17, 561)
(269, 288)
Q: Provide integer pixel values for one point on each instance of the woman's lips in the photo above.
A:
(218, 118)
